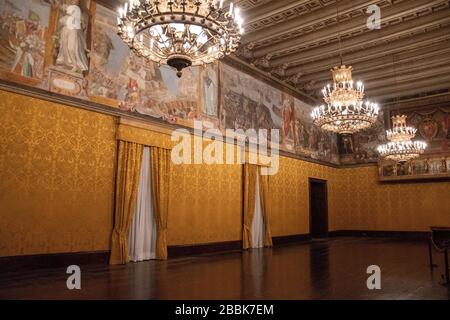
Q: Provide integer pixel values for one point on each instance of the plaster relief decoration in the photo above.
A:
(23, 28)
(70, 51)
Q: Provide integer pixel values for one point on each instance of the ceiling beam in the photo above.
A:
(417, 68)
(419, 86)
(423, 90)
(351, 27)
(322, 71)
(327, 13)
(371, 39)
(273, 8)
(385, 47)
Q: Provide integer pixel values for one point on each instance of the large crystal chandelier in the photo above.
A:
(400, 147)
(345, 111)
(180, 33)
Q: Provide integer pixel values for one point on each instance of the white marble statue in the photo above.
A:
(72, 42)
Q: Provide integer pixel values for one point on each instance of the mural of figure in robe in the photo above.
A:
(210, 90)
(288, 117)
(72, 51)
(23, 25)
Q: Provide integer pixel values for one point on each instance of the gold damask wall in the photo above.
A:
(289, 189)
(56, 177)
(57, 185)
(370, 205)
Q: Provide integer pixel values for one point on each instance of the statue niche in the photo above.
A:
(71, 46)
(70, 50)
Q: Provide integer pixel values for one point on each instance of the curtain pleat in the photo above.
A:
(160, 171)
(258, 219)
(250, 172)
(265, 204)
(142, 235)
(127, 180)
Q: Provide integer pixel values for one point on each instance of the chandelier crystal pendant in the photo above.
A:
(180, 33)
(345, 111)
(400, 147)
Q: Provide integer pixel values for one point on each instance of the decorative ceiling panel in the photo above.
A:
(298, 41)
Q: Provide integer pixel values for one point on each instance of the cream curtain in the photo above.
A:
(127, 180)
(258, 220)
(142, 235)
(256, 229)
(160, 176)
(265, 207)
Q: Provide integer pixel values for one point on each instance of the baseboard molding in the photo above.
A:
(60, 260)
(380, 234)
(194, 249)
(217, 247)
(283, 240)
(53, 260)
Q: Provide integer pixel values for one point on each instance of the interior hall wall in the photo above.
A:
(57, 168)
(371, 205)
(57, 185)
(289, 195)
(56, 177)
(205, 204)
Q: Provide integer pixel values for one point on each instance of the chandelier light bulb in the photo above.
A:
(345, 111)
(400, 147)
(180, 33)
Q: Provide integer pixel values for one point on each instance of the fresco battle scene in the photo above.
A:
(71, 47)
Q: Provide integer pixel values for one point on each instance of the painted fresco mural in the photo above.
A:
(362, 147)
(433, 126)
(249, 103)
(23, 29)
(71, 47)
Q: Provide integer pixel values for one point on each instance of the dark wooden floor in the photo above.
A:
(322, 269)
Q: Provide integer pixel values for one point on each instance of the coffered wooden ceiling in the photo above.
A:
(297, 42)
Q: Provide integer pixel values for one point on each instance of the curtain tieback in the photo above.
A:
(122, 236)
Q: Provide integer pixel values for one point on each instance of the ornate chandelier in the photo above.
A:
(180, 33)
(345, 111)
(400, 147)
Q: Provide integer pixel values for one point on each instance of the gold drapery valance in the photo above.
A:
(144, 134)
(160, 136)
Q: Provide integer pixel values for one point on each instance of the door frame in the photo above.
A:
(324, 182)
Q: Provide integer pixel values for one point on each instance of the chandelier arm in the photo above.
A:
(163, 42)
(198, 49)
(171, 39)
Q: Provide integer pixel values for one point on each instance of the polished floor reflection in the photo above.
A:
(322, 269)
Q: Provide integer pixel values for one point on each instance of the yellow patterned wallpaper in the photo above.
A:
(56, 177)
(56, 188)
(370, 205)
(205, 204)
(289, 191)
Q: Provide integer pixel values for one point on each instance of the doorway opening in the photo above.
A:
(318, 208)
